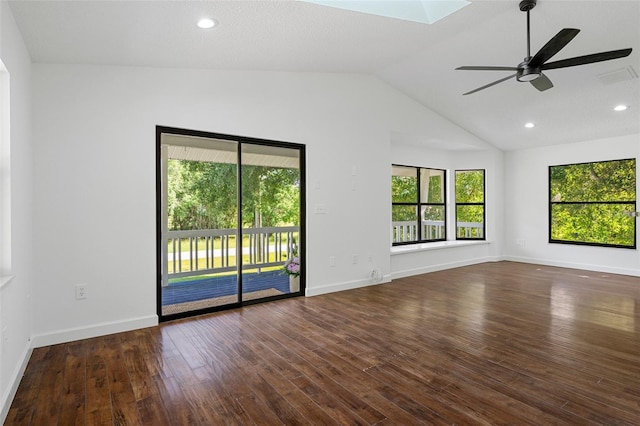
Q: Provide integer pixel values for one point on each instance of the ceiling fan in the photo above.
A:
(531, 68)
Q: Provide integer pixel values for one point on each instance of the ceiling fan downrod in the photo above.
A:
(526, 6)
(526, 74)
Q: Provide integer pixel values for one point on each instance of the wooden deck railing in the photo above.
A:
(199, 252)
(407, 231)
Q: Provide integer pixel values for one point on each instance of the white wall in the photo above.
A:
(15, 306)
(95, 176)
(91, 177)
(527, 215)
(436, 256)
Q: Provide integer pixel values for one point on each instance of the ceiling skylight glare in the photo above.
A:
(422, 11)
(620, 107)
(529, 125)
(206, 23)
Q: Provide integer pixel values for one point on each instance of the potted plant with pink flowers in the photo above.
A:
(292, 269)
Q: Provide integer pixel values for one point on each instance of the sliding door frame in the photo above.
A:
(160, 220)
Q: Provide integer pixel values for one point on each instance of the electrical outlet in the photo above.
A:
(81, 291)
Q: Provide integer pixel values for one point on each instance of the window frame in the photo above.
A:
(632, 203)
(419, 204)
(483, 204)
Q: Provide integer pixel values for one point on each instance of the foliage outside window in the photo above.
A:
(591, 203)
(203, 195)
(418, 211)
(470, 205)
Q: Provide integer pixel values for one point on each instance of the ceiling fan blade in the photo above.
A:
(490, 84)
(473, 68)
(587, 59)
(542, 83)
(553, 46)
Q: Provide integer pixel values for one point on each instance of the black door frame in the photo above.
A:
(160, 130)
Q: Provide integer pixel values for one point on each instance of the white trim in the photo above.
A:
(438, 245)
(14, 382)
(6, 279)
(95, 330)
(5, 171)
(572, 265)
(444, 266)
(347, 285)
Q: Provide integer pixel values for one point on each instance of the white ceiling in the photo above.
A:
(417, 59)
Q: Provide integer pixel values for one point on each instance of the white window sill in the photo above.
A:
(5, 279)
(412, 248)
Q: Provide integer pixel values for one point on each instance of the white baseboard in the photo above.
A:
(71, 334)
(347, 285)
(444, 266)
(14, 381)
(574, 265)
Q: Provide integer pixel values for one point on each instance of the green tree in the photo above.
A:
(434, 195)
(271, 196)
(404, 189)
(590, 201)
(203, 195)
(470, 189)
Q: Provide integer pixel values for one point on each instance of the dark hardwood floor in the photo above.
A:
(496, 343)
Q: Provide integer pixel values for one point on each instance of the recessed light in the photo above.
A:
(620, 107)
(206, 23)
(529, 125)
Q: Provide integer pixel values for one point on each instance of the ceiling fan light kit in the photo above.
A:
(528, 74)
(530, 70)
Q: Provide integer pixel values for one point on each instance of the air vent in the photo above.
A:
(623, 74)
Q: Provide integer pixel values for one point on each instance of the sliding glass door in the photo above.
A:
(270, 220)
(230, 220)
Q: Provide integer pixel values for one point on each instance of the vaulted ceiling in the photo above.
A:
(417, 59)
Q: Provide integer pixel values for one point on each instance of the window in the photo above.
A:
(470, 205)
(593, 203)
(418, 210)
